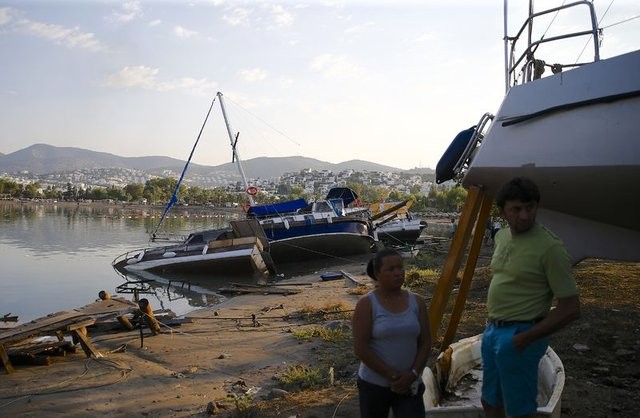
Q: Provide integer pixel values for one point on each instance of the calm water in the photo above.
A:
(55, 258)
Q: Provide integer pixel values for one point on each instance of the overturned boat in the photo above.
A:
(240, 249)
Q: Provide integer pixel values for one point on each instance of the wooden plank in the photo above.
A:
(5, 360)
(53, 322)
(469, 269)
(89, 349)
(264, 291)
(454, 259)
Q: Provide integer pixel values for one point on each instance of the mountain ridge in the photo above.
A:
(44, 159)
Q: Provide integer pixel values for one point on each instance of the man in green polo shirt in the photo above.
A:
(530, 268)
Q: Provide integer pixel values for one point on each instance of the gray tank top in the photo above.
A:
(394, 338)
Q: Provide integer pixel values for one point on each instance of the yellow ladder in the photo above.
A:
(476, 209)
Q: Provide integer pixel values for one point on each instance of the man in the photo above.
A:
(530, 267)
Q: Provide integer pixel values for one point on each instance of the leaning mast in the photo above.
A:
(233, 142)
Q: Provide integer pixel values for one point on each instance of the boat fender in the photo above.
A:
(205, 249)
(448, 161)
(286, 223)
(169, 254)
(140, 256)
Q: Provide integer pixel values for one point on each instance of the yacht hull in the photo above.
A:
(576, 135)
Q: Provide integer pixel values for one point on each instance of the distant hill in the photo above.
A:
(43, 159)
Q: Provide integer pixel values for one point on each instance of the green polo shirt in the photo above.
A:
(529, 270)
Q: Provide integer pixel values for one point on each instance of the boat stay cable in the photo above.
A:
(174, 197)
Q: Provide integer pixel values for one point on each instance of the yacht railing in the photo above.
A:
(527, 65)
(474, 143)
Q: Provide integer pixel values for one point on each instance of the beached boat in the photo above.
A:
(394, 224)
(272, 233)
(454, 390)
(239, 249)
(297, 230)
(573, 132)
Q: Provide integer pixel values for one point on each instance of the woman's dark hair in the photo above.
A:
(518, 188)
(374, 265)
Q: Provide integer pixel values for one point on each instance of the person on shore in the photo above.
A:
(452, 228)
(496, 227)
(488, 231)
(392, 340)
(530, 267)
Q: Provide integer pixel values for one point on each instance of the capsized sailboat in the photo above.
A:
(298, 231)
(238, 250)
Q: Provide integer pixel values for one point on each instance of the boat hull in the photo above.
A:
(400, 232)
(233, 259)
(466, 358)
(303, 240)
(577, 139)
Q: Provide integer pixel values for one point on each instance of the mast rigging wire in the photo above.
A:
(174, 196)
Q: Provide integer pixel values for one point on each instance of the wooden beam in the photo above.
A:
(469, 270)
(5, 360)
(89, 349)
(452, 263)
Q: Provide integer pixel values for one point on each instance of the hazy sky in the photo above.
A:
(385, 81)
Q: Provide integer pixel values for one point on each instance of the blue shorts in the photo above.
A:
(510, 377)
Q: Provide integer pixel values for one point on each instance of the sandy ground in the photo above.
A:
(180, 371)
(222, 355)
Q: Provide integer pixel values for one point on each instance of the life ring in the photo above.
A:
(252, 190)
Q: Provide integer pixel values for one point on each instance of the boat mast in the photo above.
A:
(233, 141)
(506, 49)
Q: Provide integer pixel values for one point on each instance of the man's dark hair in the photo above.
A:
(518, 188)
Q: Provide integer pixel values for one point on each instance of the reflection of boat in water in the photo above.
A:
(574, 133)
(455, 389)
(237, 250)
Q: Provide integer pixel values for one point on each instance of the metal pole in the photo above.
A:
(233, 148)
(506, 48)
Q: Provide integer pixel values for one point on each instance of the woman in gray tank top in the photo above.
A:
(392, 340)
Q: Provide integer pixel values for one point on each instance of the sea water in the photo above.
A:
(57, 257)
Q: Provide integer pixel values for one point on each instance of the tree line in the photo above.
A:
(160, 190)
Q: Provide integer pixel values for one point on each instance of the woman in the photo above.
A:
(392, 340)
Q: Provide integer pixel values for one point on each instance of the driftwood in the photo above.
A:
(257, 291)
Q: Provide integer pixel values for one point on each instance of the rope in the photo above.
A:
(174, 196)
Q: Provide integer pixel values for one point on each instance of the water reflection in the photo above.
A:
(58, 257)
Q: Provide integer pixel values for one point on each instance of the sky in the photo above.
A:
(391, 82)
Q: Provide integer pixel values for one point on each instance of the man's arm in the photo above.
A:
(567, 310)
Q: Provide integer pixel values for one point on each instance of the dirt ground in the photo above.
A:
(226, 364)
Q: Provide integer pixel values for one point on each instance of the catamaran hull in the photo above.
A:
(578, 140)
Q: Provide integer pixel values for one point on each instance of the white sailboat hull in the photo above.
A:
(581, 145)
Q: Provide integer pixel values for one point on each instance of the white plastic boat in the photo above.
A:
(459, 374)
